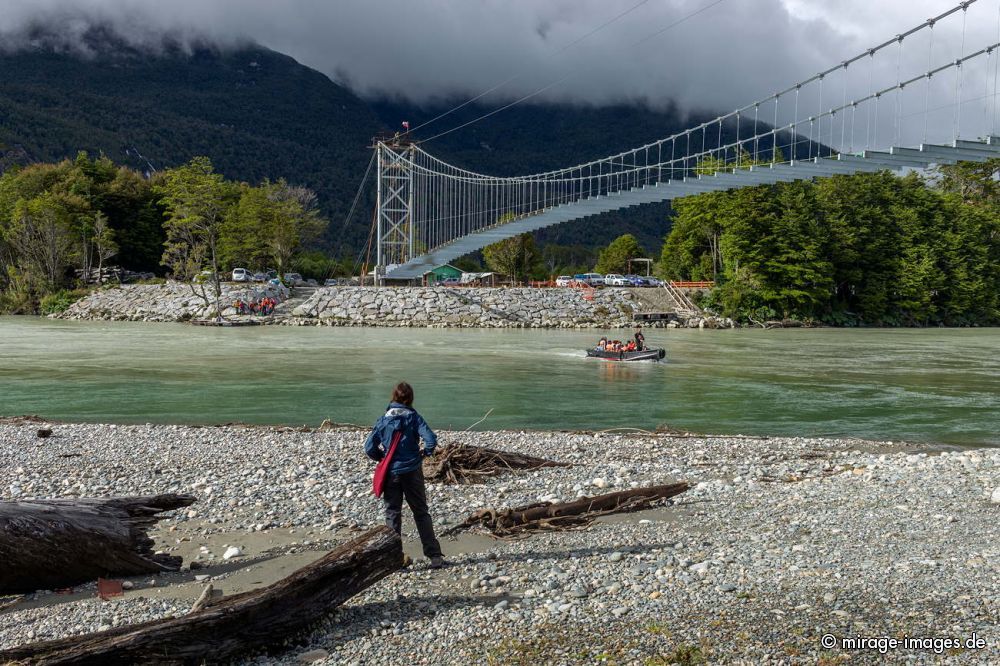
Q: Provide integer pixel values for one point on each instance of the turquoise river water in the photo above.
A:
(935, 385)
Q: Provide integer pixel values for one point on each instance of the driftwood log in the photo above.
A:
(53, 543)
(235, 625)
(566, 515)
(465, 463)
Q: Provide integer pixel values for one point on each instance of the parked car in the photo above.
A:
(242, 275)
(564, 281)
(593, 279)
(616, 280)
(654, 282)
(637, 281)
(271, 273)
(293, 279)
(260, 277)
(449, 282)
(331, 282)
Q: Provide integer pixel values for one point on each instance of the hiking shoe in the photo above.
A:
(437, 562)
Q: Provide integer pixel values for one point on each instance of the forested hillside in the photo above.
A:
(255, 113)
(867, 249)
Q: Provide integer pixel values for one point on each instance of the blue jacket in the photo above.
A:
(407, 457)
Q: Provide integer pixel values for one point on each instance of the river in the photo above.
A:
(931, 385)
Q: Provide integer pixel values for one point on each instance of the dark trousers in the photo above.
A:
(411, 486)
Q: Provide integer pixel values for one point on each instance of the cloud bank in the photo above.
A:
(438, 50)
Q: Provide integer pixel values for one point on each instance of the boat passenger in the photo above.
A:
(602, 344)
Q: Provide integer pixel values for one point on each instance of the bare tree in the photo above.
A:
(105, 246)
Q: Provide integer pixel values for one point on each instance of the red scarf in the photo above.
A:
(382, 468)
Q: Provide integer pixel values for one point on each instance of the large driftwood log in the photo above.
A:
(583, 511)
(465, 463)
(235, 625)
(52, 543)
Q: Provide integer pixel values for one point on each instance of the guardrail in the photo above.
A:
(705, 284)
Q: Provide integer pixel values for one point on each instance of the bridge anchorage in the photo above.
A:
(839, 121)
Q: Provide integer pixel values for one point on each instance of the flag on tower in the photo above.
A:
(406, 125)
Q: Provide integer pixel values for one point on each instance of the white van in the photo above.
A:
(242, 275)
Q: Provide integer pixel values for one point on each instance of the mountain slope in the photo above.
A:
(256, 113)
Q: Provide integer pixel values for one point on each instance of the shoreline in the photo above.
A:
(778, 541)
(400, 307)
(272, 321)
(893, 446)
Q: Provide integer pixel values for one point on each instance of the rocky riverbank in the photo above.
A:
(394, 307)
(468, 307)
(778, 543)
(164, 302)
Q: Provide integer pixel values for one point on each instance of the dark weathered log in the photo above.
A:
(235, 625)
(52, 543)
(465, 463)
(536, 517)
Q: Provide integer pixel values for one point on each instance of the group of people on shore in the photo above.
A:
(262, 307)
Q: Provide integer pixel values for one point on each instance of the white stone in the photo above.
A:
(231, 552)
(312, 655)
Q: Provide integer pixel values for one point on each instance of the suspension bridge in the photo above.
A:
(910, 102)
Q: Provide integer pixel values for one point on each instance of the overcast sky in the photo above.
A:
(425, 50)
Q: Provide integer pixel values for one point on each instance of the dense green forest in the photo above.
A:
(61, 222)
(867, 249)
(255, 113)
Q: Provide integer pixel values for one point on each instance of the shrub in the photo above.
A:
(60, 301)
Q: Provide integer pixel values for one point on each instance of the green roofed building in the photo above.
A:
(440, 273)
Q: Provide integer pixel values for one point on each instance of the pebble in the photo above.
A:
(865, 543)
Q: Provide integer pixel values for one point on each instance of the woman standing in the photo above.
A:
(406, 475)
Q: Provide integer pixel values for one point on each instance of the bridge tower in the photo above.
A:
(394, 204)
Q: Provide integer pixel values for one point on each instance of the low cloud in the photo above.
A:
(441, 50)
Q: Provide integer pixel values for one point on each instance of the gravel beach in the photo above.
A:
(778, 543)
